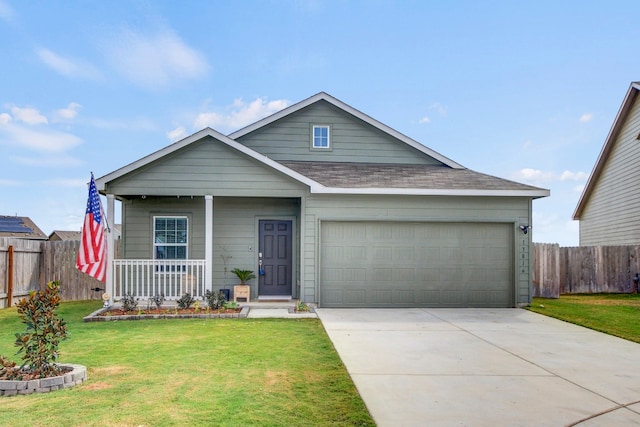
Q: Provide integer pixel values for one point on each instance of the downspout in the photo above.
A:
(208, 242)
(110, 249)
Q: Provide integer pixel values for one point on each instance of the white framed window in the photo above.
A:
(321, 137)
(170, 237)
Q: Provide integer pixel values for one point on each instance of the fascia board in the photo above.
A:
(347, 108)
(537, 193)
(623, 111)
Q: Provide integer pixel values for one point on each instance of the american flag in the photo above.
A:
(92, 256)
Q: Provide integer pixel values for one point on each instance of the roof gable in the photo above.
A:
(324, 97)
(607, 148)
(138, 165)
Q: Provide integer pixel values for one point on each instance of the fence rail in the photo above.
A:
(585, 269)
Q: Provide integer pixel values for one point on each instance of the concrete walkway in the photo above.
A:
(485, 367)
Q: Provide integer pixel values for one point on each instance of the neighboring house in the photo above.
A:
(20, 227)
(58, 235)
(333, 207)
(609, 207)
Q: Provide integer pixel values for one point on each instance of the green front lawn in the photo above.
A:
(235, 372)
(614, 314)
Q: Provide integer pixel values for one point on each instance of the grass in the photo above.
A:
(223, 372)
(614, 314)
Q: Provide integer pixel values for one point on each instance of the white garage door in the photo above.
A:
(400, 264)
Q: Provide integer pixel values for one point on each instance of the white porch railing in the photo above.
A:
(145, 278)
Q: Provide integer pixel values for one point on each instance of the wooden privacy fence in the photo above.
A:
(37, 262)
(585, 269)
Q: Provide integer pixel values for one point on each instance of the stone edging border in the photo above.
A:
(77, 375)
(95, 316)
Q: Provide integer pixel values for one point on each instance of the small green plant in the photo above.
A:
(129, 302)
(243, 275)
(158, 300)
(301, 306)
(215, 300)
(39, 343)
(186, 300)
(231, 305)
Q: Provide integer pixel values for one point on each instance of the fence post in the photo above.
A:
(10, 276)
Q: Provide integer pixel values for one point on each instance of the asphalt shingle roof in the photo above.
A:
(378, 175)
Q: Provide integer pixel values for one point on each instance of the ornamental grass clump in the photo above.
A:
(38, 344)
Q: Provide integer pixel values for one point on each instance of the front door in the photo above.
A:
(275, 278)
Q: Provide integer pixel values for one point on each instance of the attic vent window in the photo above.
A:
(321, 137)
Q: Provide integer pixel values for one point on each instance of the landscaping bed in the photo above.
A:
(106, 314)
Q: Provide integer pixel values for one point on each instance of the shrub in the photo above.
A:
(215, 300)
(129, 303)
(38, 344)
(185, 301)
(158, 300)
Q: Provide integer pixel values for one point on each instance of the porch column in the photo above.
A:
(110, 242)
(208, 242)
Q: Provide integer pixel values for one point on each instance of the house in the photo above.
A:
(20, 227)
(328, 205)
(608, 210)
(59, 235)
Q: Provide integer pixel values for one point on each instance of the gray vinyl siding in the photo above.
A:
(612, 213)
(408, 208)
(352, 140)
(137, 224)
(235, 230)
(207, 167)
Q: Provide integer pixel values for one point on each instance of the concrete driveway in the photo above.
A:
(485, 367)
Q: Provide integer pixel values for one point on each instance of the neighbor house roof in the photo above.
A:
(621, 117)
(65, 235)
(20, 227)
(409, 179)
(323, 96)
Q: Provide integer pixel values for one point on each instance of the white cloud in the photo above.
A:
(60, 161)
(534, 176)
(573, 176)
(239, 114)
(132, 124)
(539, 177)
(439, 108)
(579, 188)
(68, 113)
(6, 12)
(30, 116)
(40, 139)
(586, 117)
(66, 182)
(9, 183)
(425, 119)
(67, 67)
(154, 61)
(4, 118)
(176, 134)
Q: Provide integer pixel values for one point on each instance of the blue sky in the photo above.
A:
(525, 91)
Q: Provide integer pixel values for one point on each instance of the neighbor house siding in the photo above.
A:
(418, 209)
(235, 231)
(612, 213)
(137, 219)
(207, 167)
(352, 140)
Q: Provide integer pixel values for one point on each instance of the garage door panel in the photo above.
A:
(377, 264)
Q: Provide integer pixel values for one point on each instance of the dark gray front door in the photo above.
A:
(275, 247)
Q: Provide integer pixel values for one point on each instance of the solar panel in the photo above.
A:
(12, 224)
